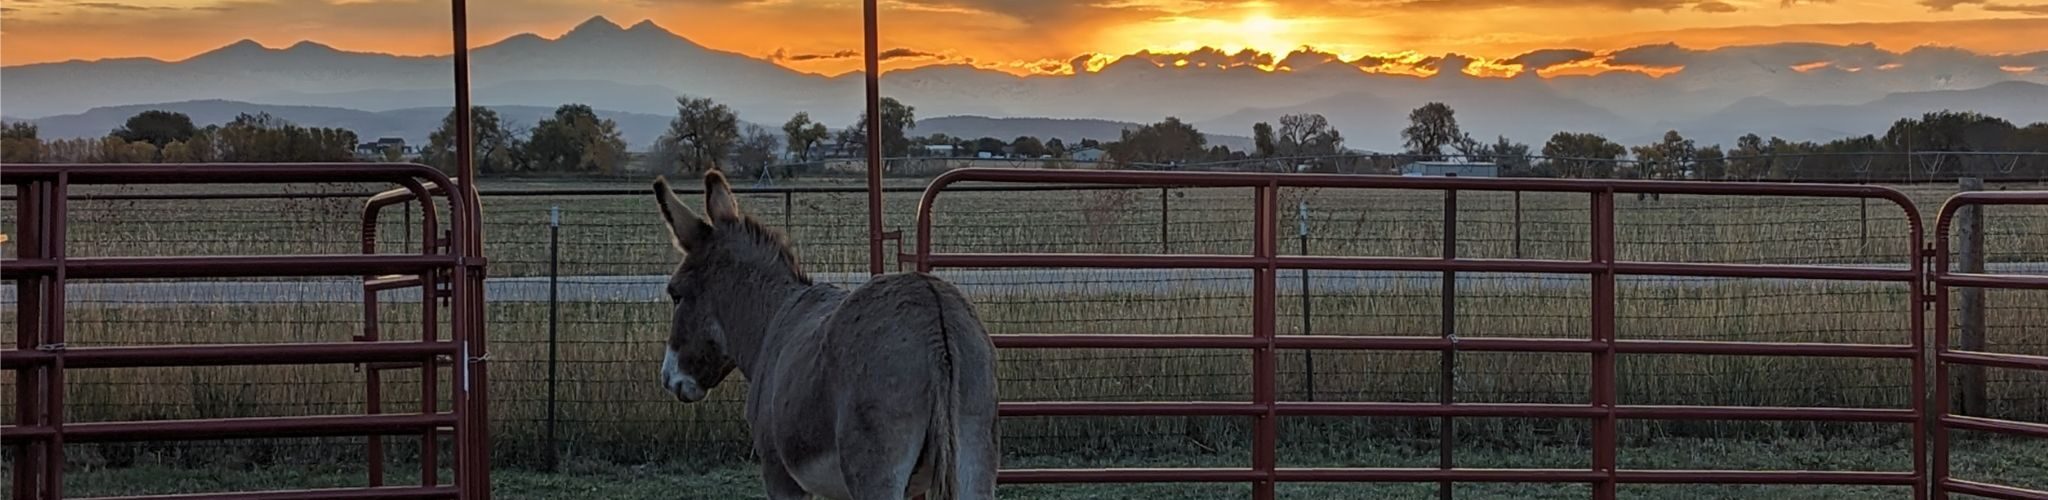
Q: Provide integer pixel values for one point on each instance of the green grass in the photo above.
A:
(2010, 462)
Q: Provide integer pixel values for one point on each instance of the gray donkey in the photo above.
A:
(884, 391)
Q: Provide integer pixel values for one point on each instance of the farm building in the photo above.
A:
(1088, 154)
(1450, 168)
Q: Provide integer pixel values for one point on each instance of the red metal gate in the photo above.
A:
(1604, 411)
(1946, 356)
(40, 358)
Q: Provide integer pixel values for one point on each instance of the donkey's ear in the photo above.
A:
(685, 229)
(718, 200)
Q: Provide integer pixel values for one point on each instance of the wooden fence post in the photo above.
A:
(1970, 317)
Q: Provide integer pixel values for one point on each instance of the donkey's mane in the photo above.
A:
(755, 236)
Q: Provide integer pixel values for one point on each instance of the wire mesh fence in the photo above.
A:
(611, 254)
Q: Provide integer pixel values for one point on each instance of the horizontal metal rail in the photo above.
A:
(369, 493)
(232, 428)
(228, 354)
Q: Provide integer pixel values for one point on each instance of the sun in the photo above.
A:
(1257, 30)
(1264, 33)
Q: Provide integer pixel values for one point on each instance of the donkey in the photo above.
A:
(885, 391)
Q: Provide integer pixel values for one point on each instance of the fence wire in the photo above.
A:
(612, 254)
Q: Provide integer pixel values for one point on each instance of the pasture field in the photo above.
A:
(2018, 462)
(611, 411)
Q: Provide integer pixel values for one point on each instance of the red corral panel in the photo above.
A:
(1603, 409)
(451, 263)
(1949, 357)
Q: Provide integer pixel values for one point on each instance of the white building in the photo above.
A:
(1449, 168)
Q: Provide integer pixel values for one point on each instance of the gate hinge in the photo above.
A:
(57, 347)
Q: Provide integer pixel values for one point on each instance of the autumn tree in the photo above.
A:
(1056, 147)
(1511, 156)
(1709, 163)
(19, 143)
(262, 137)
(156, 127)
(1582, 155)
(1431, 128)
(990, 145)
(897, 119)
(497, 149)
(1667, 158)
(575, 139)
(755, 152)
(702, 134)
(1027, 147)
(803, 134)
(1262, 140)
(1170, 140)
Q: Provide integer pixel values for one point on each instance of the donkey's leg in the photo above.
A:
(778, 484)
(879, 448)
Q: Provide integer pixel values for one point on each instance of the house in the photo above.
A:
(938, 150)
(1088, 154)
(1450, 168)
(376, 150)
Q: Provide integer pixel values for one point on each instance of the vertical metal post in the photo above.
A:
(554, 326)
(1863, 238)
(1605, 393)
(1447, 431)
(1265, 298)
(788, 211)
(54, 236)
(1518, 224)
(28, 336)
(1165, 221)
(373, 375)
(1918, 339)
(1970, 322)
(1308, 356)
(874, 83)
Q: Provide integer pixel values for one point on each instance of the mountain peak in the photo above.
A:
(647, 25)
(241, 47)
(309, 45)
(595, 25)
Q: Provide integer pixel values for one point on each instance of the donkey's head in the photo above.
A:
(728, 262)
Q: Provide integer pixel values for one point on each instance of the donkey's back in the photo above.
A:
(908, 371)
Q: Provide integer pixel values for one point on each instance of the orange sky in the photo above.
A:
(1018, 35)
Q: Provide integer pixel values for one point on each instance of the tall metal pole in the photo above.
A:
(1447, 431)
(874, 67)
(554, 326)
(1308, 356)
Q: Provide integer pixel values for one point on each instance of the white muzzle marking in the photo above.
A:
(683, 385)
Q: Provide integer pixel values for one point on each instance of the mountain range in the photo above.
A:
(634, 73)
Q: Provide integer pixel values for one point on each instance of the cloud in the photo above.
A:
(2038, 9)
(1714, 6)
(895, 53)
(1620, 5)
(1946, 5)
(901, 53)
(1771, 58)
(1545, 58)
(784, 55)
(119, 6)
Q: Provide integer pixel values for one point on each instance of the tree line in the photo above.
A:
(161, 136)
(705, 134)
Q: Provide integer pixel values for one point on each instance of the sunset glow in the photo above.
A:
(1037, 36)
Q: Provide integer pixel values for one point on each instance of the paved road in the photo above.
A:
(1031, 282)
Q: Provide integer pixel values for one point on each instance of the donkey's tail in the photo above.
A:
(941, 441)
